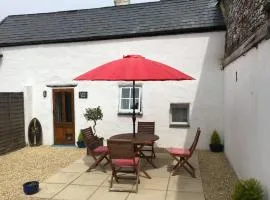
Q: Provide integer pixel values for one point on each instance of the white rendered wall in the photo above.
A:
(198, 55)
(246, 114)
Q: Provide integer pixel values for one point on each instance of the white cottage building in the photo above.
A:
(43, 53)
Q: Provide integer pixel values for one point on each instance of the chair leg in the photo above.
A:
(111, 183)
(97, 161)
(177, 166)
(182, 163)
(107, 161)
(178, 163)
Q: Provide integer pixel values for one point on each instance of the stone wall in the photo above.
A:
(243, 18)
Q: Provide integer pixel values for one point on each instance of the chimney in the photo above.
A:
(121, 2)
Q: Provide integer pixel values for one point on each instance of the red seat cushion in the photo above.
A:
(179, 151)
(125, 162)
(101, 149)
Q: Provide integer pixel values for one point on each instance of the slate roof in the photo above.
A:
(134, 20)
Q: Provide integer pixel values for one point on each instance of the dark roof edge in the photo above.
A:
(83, 39)
(3, 20)
(83, 9)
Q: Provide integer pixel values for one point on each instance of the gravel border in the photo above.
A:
(217, 175)
(32, 163)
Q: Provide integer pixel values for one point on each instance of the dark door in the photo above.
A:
(63, 116)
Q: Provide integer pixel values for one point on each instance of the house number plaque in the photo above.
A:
(83, 95)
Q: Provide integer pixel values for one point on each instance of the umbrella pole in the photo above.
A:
(134, 107)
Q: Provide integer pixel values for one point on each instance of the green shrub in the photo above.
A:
(249, 189)
(215, 139)
(93, 114)
(80, 137)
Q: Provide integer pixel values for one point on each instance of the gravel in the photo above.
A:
(217, 175)
(32, 163)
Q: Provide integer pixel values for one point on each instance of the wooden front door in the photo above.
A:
(63, 116)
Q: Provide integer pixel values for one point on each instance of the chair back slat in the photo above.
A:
(89, 138)
(120, 149)
(195, 142)
(146, 127)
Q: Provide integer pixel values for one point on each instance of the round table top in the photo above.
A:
(138, 139)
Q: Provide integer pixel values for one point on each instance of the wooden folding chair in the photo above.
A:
(123, 159)
(94, 149)
(147, 128)
(182, 155)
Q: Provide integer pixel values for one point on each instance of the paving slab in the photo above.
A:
(103, 193)
(123, 184)
(73, 182)
(76, 167)
(179, 183)
(157, 172)
(148, 195)
(155, 183)
(76, 192)
(85, 159)
(174, 195)
(48, 190)
(183, 173)
(62, 177)
(89, 178)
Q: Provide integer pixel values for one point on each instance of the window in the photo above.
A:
(126, 99)
(179, 115)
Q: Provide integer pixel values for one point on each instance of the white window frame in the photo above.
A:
(179, 105)
(130, 111)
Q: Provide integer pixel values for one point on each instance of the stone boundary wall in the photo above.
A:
(243, 18)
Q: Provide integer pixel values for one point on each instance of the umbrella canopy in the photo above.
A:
(134, 68)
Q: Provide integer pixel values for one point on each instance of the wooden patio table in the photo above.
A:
(139, 140)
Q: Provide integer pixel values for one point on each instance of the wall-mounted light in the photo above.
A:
(44, 93)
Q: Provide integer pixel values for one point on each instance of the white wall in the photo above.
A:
(198, 55)
(246, 114)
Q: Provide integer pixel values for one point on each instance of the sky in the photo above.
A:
(13, 7)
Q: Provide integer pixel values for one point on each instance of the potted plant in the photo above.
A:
(249, 189)
(215, 143)
(80, 141)
(94, 114)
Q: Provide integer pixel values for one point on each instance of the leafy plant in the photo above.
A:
(93, 114)
(249, 189)
(80, 137)
(215, 138)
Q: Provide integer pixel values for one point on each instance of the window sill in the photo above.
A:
(129, 114)
(179, 125)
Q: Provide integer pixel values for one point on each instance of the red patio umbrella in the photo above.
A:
(134, 68)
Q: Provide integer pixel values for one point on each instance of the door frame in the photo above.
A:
(72, 109)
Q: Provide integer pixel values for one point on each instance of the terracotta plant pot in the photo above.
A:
(216, 147)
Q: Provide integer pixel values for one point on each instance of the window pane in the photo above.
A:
(68, 107)
(124, 103)
(136, 93)
(179, 115)
(58, 107)
(125, 92)
(136, 101)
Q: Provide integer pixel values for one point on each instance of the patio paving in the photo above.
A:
(74, 183)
